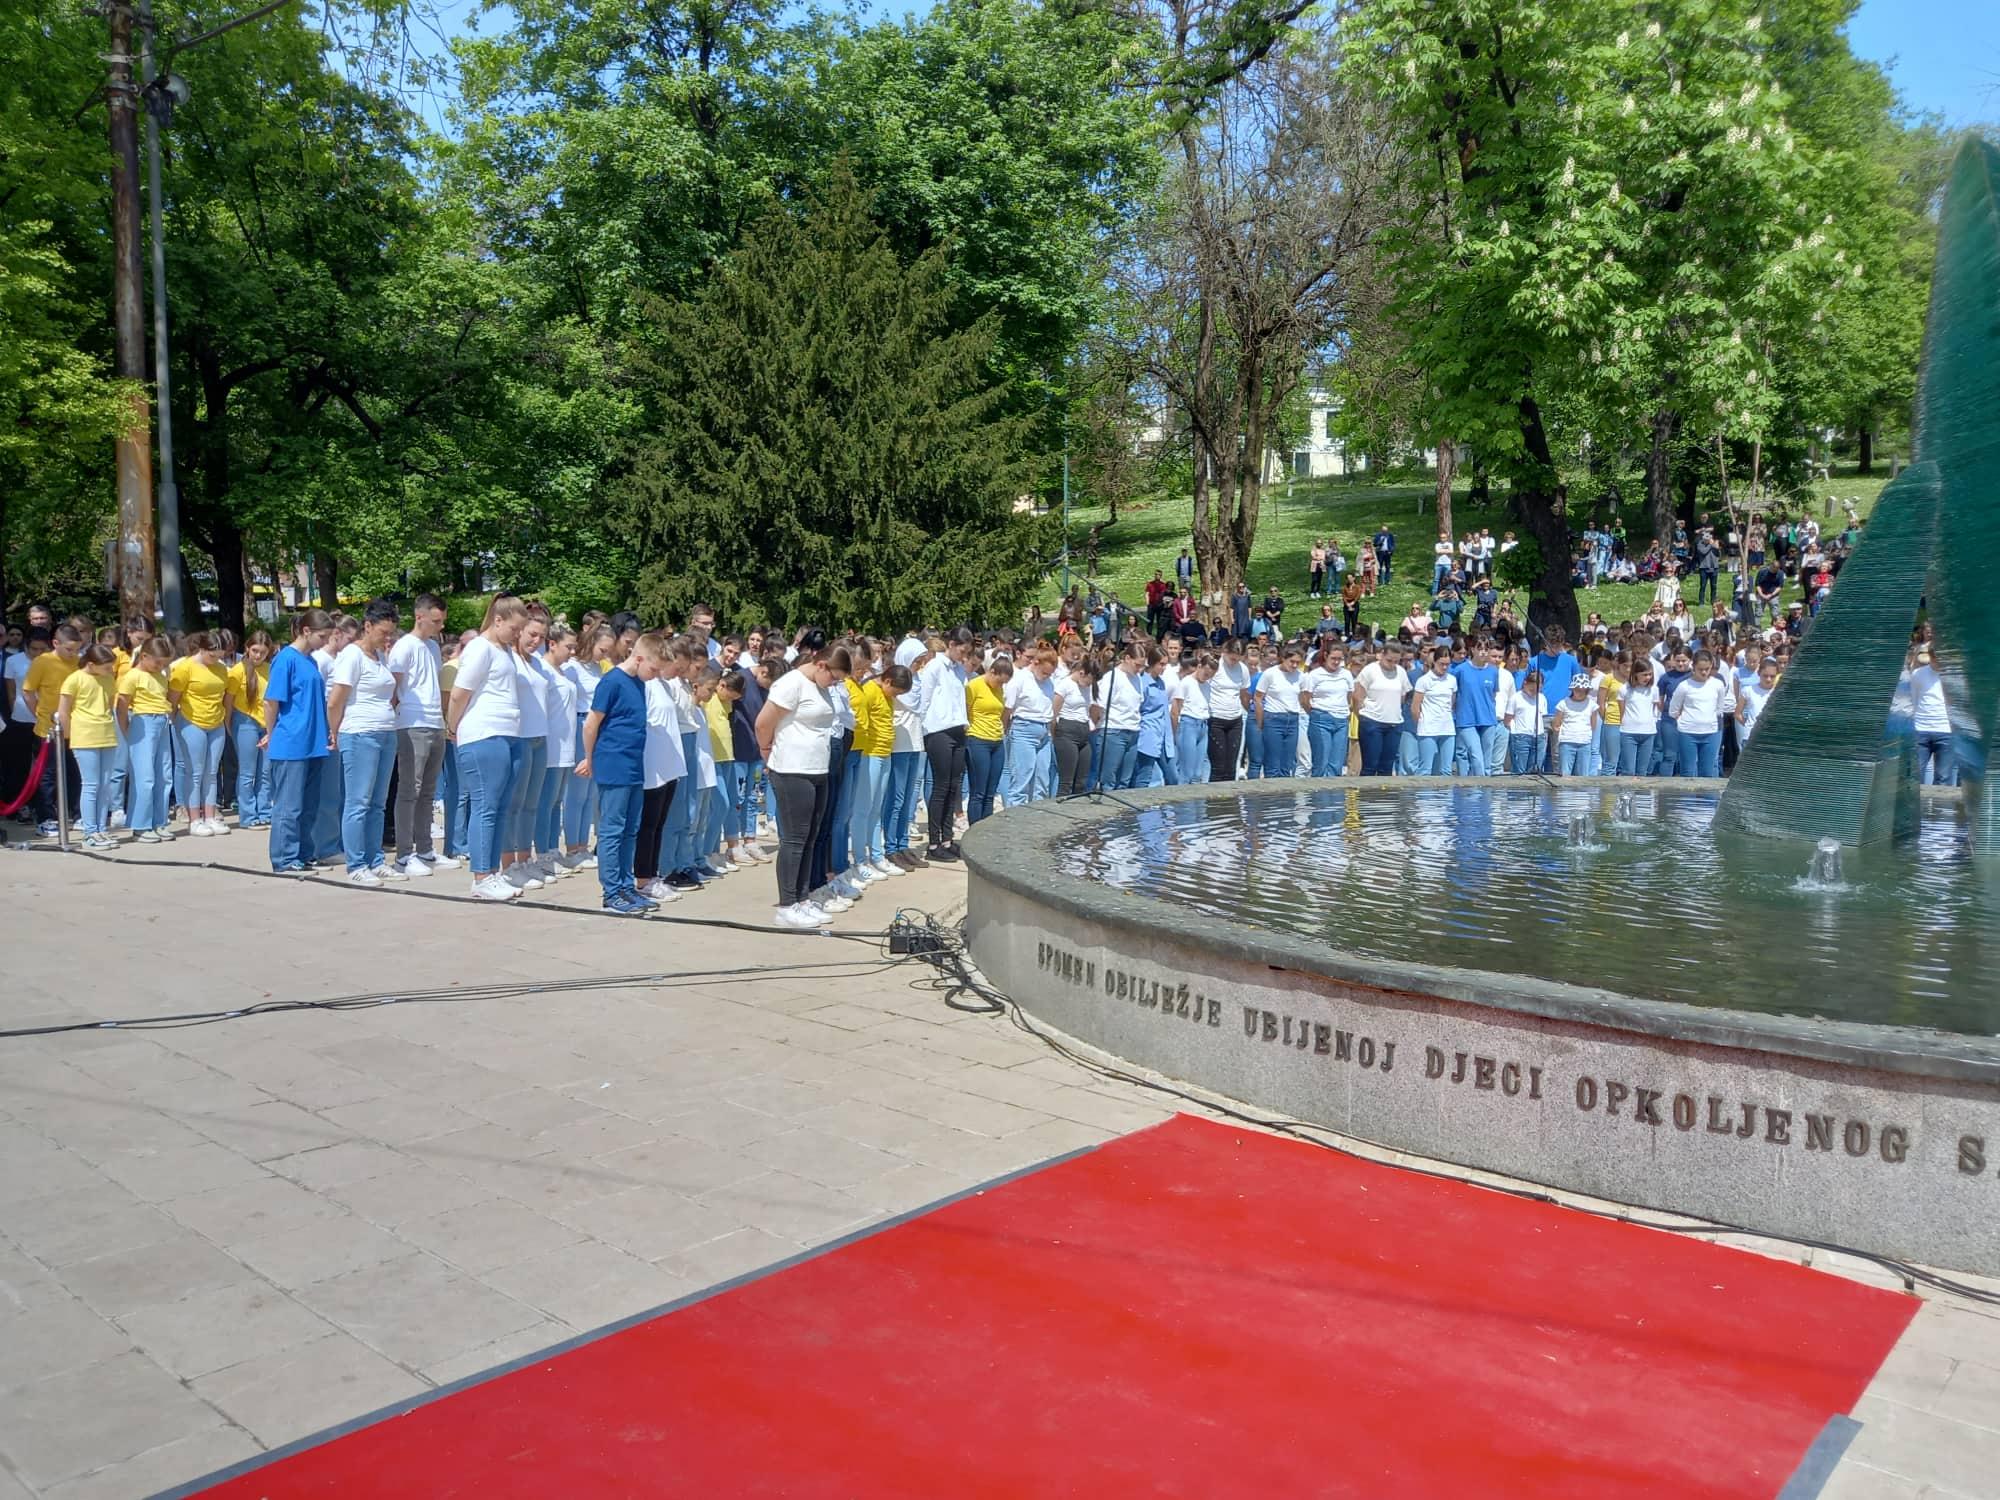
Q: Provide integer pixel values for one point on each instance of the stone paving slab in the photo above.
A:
(219, 1239)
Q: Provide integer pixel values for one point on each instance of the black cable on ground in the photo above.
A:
(955, 977)
(412, 889)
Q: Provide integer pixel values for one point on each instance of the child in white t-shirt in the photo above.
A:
(1527, 725)
(1575, 723)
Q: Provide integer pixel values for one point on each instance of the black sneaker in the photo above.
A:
(946, 852)
(684, 880)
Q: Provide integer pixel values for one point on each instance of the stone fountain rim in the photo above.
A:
(1010, 850)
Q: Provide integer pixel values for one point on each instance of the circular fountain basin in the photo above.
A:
(1577, 984)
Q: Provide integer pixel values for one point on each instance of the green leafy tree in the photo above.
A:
(820, 444)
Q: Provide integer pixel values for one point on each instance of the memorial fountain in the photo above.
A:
(1773, 1004)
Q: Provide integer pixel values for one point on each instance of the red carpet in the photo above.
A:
(1194, 1310)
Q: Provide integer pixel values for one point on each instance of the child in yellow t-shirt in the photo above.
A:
(244, 697)
(198, 688)
(83, 714)
(146, 716)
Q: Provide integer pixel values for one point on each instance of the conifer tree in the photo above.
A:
(820, 444)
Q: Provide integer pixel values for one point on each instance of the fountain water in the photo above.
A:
(1627, 810)
(1582, 831)
(1826, 867)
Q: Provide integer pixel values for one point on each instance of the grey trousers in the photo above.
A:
(419, 757)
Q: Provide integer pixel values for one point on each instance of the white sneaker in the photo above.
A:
(848, 886)
(816, 913)
(416, 869)
(493, 888)
(217, 826)
(552, 869)
(363, 876)
(830, 899)
(388, 871)
(440, 861)
(888, 871)
(727, 862)
(199, 828)
(794, 917)
(521, 878)
(117, 817)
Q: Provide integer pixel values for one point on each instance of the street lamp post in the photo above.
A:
(161, 96)
(133, 560)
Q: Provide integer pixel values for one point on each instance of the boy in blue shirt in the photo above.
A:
(295, 739)
(614, 756)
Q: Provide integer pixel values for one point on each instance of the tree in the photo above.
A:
(1637, 235)
(819, 443)
(1243, 268)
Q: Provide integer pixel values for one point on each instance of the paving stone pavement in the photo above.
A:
(218, 1239)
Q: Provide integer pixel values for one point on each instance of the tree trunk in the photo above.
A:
(326, 579)
(225, 550)
(1481, 494)
(1868, 450)
(1659, 474)
(1545, 513)
(1447, 470)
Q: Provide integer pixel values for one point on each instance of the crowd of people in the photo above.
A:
(664, 760)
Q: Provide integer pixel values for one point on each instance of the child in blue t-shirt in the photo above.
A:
(614, 756)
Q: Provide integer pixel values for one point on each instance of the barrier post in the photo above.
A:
(59, 751)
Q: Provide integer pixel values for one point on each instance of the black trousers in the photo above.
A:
(1225, 746)
(946, 751)
(819, 858)
(653, 808)
(803, 802)
(1072, 741)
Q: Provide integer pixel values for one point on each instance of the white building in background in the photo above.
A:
(1317, 455)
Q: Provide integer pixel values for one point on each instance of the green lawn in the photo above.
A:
(1150, 535)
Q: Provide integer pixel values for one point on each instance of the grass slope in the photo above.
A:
(1151, 535)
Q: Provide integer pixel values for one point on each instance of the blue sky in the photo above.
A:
(1944, 55)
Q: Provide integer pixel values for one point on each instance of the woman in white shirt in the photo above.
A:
(795, 733)
(1228, 702)
(1278, 709)
(1187, 705)
(361, 718)
(1575, 724)
(1697, 711)
(1120, 697)
(1031, 702)
(1382, 685)
(1071, 683)
(559, 691)
(1639, 720)
(579, 806)
(1752, 696)
(517, 865)
(484, 722)
(1325, 695)
(1437, 731)
(1527, 724)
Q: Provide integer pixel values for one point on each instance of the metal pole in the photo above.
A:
(136, 588)
(169, 493)
(57, 749)
(1065, 503)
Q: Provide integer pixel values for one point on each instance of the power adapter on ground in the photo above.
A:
(907, 937)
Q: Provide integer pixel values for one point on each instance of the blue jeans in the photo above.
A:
(677, 844)
(549, 807)
(487, 769)
(1434, 754)
(296, 789)
(322, 838)
(1701, 754)
(94, 805)
(457, 806)
(732, 780)
(579, 808)
(1281, 746)
(707, 819)
(1121, 758)
(1191, 747)
(1097, 759)
(1326, 735)
(151, 749)
(833, 851)
(1468, 756)
(617, 823)
(1031, 758)
(1253, 747)
(1575, 759)
(984, 760)
(253, 775)
(1378, 746)
(1524, 753)
(1667, 749)
(899, 800)
(203, 750)
(527, 756)
(366, 759)
(864, 819)
(1635, 755)
(1934, 759)
(1150, 771)
(1408, 751)
(750, 798)
(1609, 737)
